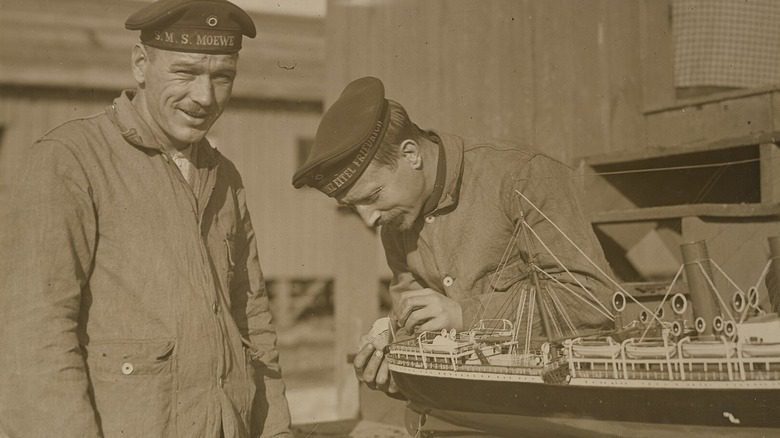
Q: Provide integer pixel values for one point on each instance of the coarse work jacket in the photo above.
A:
(133, 305)
(465, 247)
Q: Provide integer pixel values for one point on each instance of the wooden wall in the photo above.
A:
(563, 76)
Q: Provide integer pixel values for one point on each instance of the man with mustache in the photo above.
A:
(133, 298)
(449, 207)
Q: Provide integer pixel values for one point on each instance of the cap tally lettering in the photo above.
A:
(341, 178)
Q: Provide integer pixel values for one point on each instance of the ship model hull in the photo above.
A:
(740, 408)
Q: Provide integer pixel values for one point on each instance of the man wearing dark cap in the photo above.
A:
(138, 307)
(449, 208)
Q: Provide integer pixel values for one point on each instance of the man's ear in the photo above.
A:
(411, 153)
(139, 60)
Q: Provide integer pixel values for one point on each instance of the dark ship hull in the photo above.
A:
(738, 408)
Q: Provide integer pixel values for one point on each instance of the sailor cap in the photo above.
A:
(199, 26)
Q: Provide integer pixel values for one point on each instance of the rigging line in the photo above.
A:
(546, 307)
(601, 271)
(763, 274)
(530, 324)
(685, 167)
(520, 310)
(663, 300)
(576, 280)
(500, 271)
(755, 288)
(576, 295)
(707, 187)
(714, 289)
(560, 309)
(714, 263)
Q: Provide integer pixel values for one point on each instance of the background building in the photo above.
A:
(611, 87)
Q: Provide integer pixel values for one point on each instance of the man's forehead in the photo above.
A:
(185, 58)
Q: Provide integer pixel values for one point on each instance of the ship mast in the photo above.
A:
(547, 331)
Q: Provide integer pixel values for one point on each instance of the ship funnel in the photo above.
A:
(698, 269)
(773, 276)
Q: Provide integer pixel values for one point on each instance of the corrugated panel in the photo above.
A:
(83, 43)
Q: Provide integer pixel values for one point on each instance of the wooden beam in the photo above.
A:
(688, 210)
(770, 172)
(356, 302)
(656, 53)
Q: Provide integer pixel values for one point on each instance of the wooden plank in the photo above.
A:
(691, 210)
(660, 152)
(591, 57)
(743, 116)
(356, 302)
(624, 75)
(770, 172)
(554, 77)
(656, 53)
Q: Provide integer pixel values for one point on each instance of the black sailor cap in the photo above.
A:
(347, 138)
(199, 26)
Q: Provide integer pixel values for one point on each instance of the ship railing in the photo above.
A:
(676, 360)
(719, 352)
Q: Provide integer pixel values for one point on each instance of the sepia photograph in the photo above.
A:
(389, 218)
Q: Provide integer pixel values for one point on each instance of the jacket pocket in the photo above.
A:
(133, 386)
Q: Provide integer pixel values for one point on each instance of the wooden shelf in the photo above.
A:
(680, 211)
(653, 152)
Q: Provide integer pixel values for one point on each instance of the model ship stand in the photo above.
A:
(714, 362)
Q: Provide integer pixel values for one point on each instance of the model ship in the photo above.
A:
(714, 362)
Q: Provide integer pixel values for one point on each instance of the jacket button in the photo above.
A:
(220, 382)
(448, 281)
(215, 307)
(127, 368)
(429, 219)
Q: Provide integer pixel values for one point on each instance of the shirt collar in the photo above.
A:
(135, 131)
(448, 175)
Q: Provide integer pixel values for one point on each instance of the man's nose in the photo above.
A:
(369, 215)
(202, 91)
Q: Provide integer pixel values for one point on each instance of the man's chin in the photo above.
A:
(402, 223)
(191, 136)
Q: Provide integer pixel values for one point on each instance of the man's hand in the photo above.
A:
(427, 309)
(371, 368)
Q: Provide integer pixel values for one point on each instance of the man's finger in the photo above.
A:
(371, 368)
(362, 357)
(392, 388)
(434, 323)
(383, 374)
(410, 305)
(417, 317)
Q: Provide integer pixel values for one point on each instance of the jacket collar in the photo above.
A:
(135, 131)
(452, 146)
